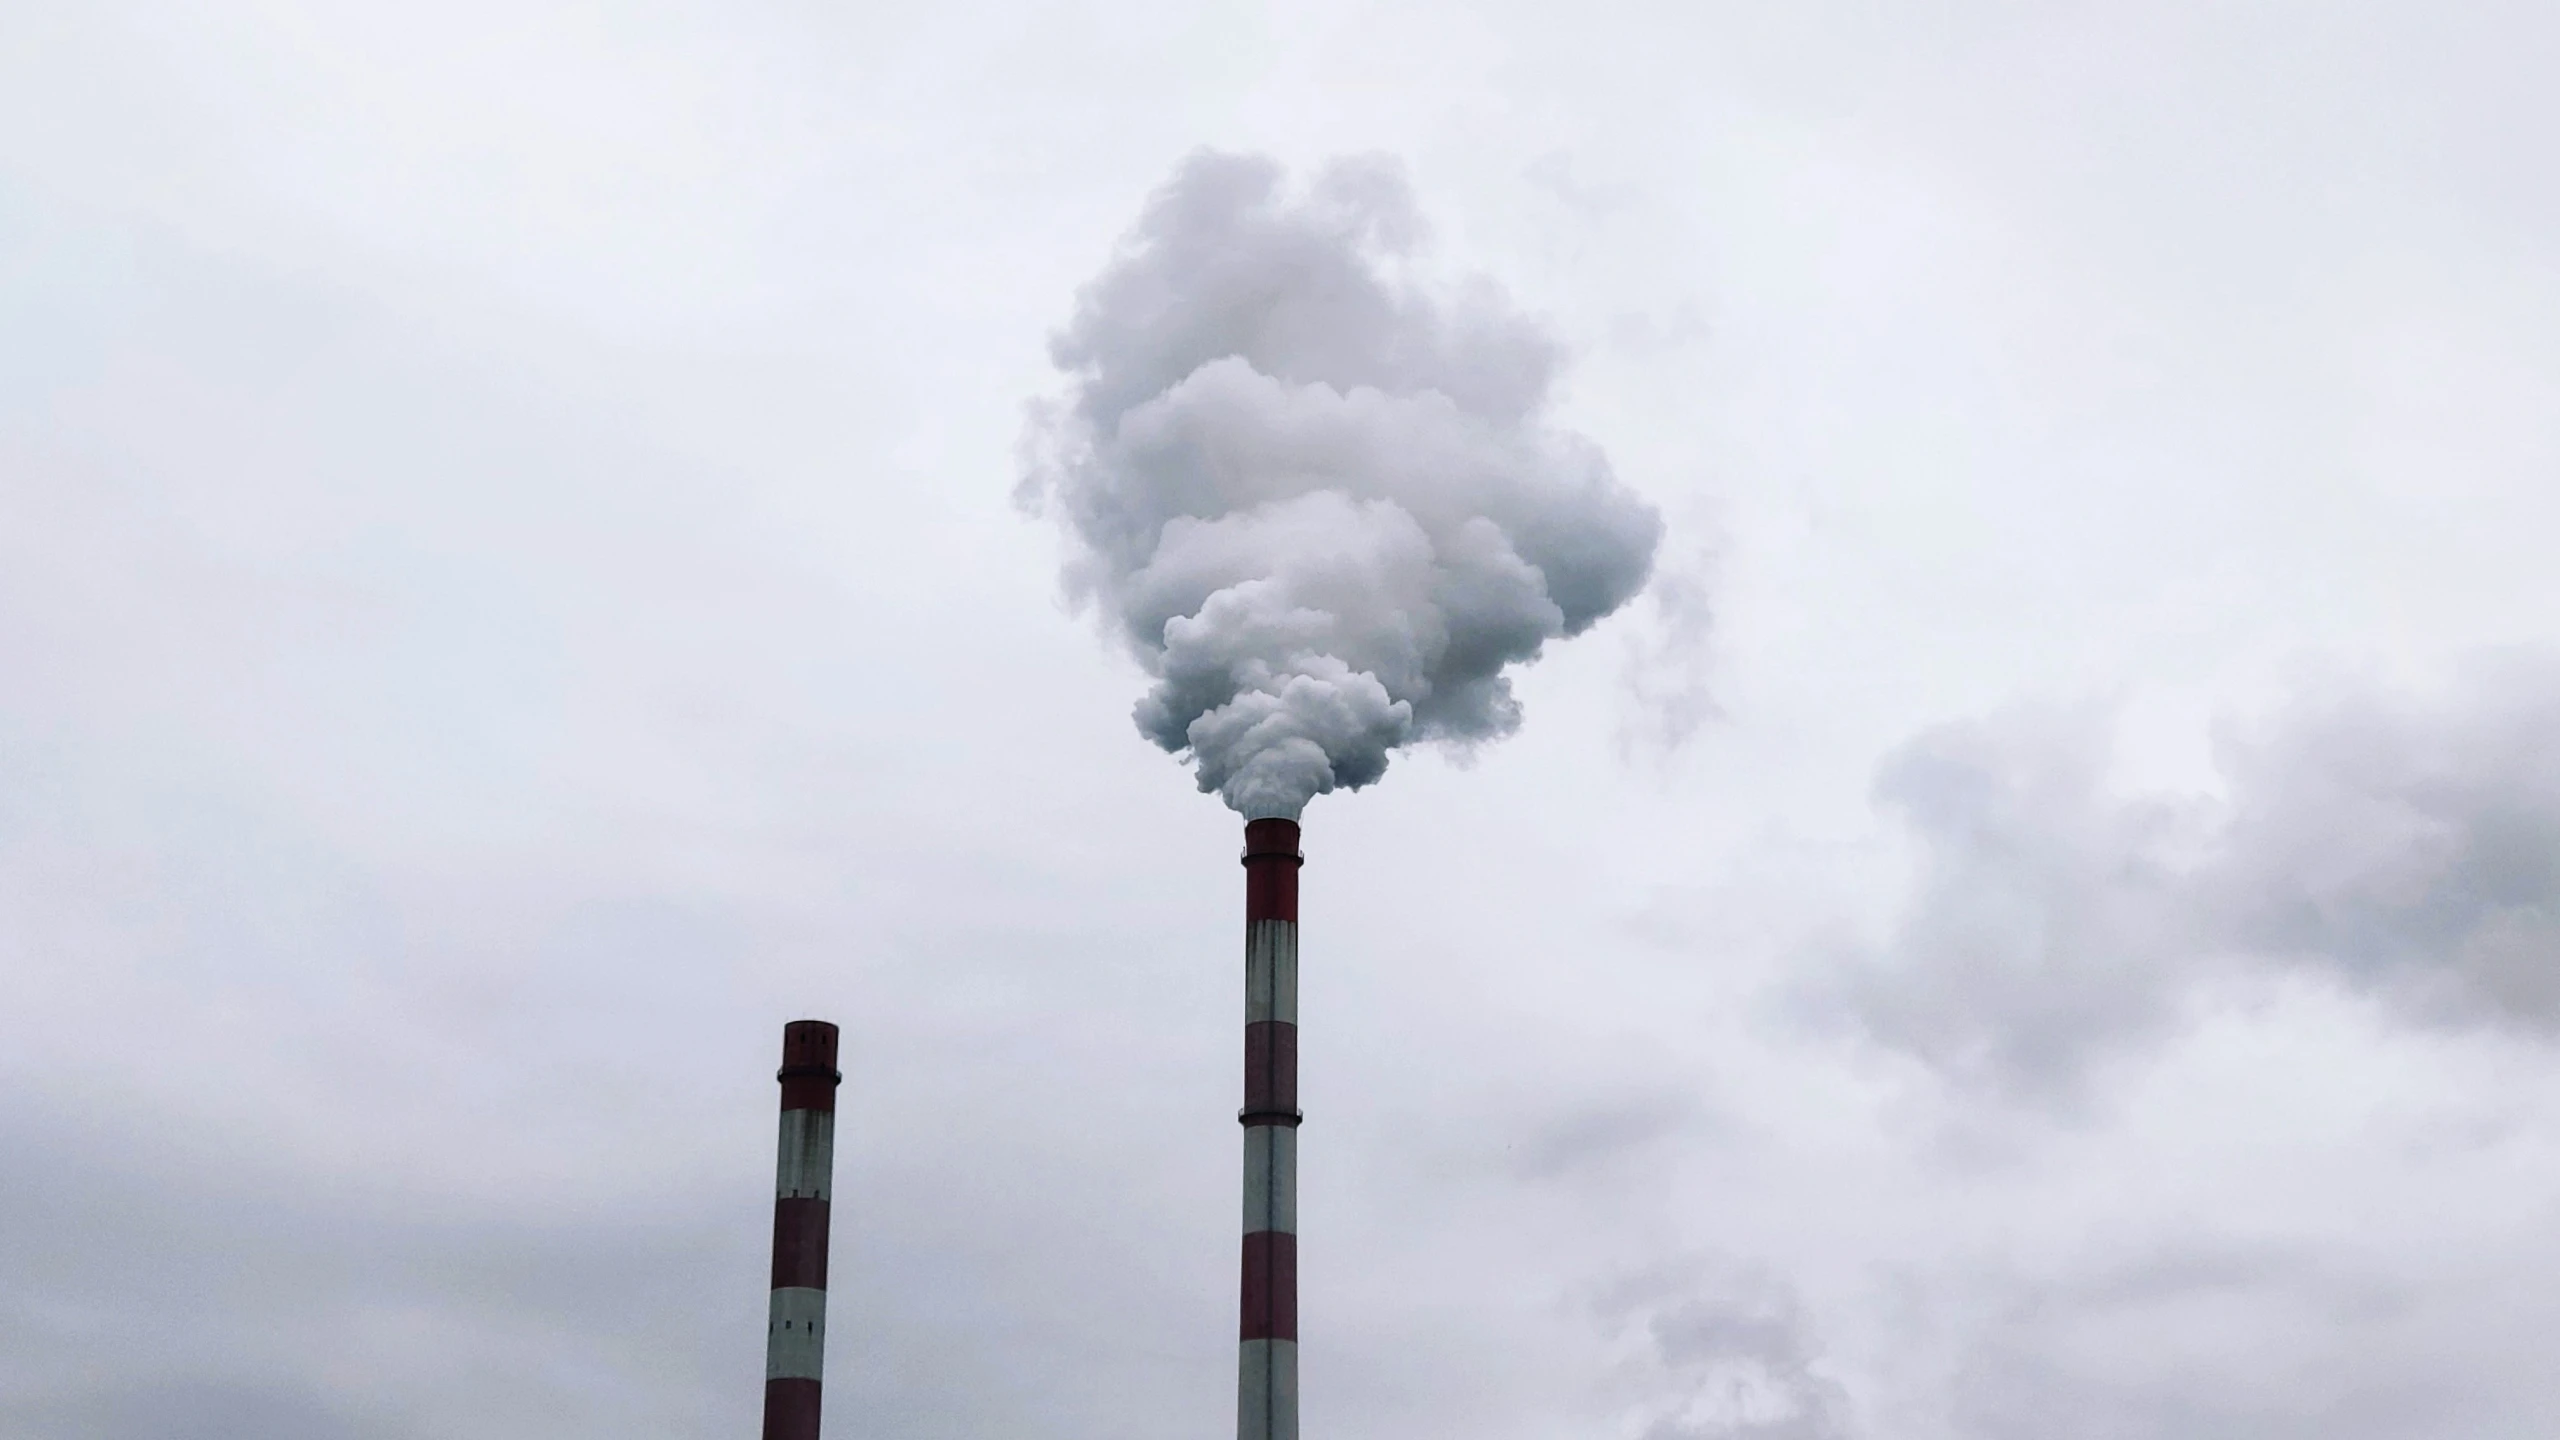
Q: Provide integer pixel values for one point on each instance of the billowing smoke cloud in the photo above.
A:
(1322, 502)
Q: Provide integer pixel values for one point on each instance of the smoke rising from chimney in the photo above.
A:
(1322, 502)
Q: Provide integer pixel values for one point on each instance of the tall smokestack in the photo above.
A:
(1267, 1370)
(796, 1330)
(1329, 508)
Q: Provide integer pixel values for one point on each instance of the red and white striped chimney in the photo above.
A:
(796, 1331)
(1267, 1374)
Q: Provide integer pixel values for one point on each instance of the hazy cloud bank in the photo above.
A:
(2406, 850)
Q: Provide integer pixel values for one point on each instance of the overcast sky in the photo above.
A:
(2044, 922)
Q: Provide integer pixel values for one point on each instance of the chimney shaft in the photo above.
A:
(796, 1327)
(1267, 1373)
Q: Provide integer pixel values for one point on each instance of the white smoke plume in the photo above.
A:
(1321, 501)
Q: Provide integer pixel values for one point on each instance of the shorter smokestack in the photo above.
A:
(796, 1327)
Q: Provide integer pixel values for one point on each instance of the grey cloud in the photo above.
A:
(1722, 1353)
(2047, 919)
(2411, 851)
(2405, 851)
(2216, 1337)
(1321, 503)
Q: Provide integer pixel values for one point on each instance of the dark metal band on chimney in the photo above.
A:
(1267, 1372)
(796, 1329)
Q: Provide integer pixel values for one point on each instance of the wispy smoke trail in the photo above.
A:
(1322, 502)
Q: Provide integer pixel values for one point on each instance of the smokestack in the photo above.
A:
(1267, 1370)
(796, 1329)
(1330, 510)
